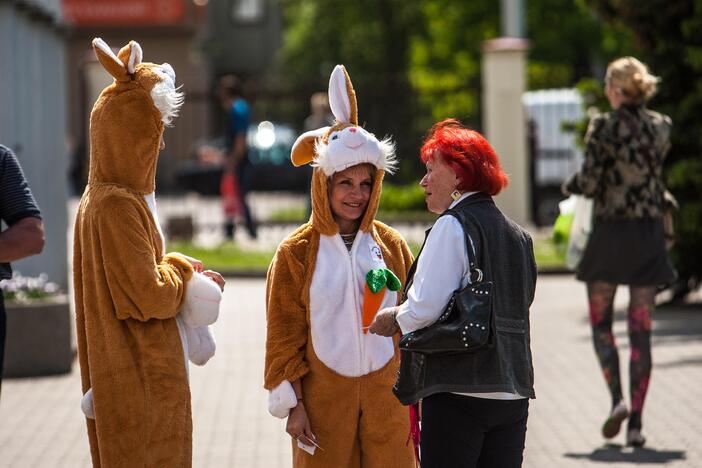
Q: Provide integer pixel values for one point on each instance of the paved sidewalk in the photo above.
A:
(41, 424)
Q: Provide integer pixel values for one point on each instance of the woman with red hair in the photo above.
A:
(474, 405)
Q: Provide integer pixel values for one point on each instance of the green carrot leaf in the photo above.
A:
(393, 282)
(376, 279)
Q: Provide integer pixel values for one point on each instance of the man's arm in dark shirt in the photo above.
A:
(25, 233)
(22, 239)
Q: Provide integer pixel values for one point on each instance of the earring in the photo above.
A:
(456, 194)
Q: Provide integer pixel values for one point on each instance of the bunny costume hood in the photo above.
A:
(345, 144)
(129, 117)
(127, 292)
(315, 302)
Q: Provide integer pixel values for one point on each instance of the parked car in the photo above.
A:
(269, 152)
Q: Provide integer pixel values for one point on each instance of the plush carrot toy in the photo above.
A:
(377, 280)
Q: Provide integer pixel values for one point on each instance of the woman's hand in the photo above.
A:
(197, 264)
(216, 277)
(385, 323)
(298, 425)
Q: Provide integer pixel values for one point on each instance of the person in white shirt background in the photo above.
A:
(474, 406)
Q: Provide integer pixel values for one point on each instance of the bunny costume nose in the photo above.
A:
(352, 138)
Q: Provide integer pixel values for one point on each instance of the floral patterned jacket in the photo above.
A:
(622, 170)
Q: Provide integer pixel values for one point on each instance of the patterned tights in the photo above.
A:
(601, 299)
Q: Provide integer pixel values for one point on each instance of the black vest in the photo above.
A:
(507, 259)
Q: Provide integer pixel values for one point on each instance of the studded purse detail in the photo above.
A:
(466, 324)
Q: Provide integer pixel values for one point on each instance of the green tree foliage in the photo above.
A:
(445, 58)
(372, 39)
(669, 35)
(567, 43)
(416, 62)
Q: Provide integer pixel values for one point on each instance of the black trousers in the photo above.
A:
(3, 325)
(465, 432)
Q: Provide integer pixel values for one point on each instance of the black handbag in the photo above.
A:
(466, 325)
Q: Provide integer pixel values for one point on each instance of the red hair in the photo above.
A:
(468, 153)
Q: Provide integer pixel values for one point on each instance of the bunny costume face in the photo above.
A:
(345, 144)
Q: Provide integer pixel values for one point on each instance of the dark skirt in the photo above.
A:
(627, 251)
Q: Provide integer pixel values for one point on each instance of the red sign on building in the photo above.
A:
(123, 12)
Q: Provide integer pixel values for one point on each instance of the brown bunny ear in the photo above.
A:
(130, 55)
(109, 60)
(303, 149)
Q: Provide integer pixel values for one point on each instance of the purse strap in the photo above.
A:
(473, 264)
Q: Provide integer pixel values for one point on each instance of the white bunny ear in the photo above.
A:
(135, 56)
(342, 98)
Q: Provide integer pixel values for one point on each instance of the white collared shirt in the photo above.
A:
(442, 268)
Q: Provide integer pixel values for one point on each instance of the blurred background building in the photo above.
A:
(50, 80)
(412, 64)
(33, 109)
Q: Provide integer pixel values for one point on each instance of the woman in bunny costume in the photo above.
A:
(330, 377)
(133, 352)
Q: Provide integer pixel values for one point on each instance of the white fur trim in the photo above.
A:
(336, 300)
(102, 45)
(201, 345)
(338, 95)
(389, 161)
(167, 98)
(135, 56)
(151, 203)
(281, 399)
(201, 303)
(351, 148)
(86, 404)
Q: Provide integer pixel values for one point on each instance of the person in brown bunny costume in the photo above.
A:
(325, 373)
(127, 292)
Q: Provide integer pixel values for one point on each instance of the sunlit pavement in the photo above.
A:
(41, 424)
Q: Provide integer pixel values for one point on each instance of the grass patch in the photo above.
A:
(231, 259)
(227, 257)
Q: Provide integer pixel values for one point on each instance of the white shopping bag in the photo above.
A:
(579, 230)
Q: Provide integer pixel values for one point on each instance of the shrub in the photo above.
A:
(396, 198)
